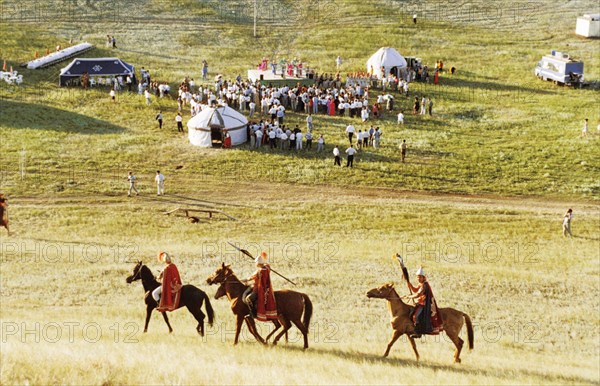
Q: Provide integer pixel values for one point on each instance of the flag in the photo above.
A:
(4, 66)
(11, 69)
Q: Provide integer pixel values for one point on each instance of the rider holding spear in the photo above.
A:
(426, 317)
(261, 291)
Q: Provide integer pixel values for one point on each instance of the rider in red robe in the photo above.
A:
(171, 285)
(261, 292)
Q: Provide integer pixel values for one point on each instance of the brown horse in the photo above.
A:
(4, 213)
(222, 291)
(402, 322)
(291, 305)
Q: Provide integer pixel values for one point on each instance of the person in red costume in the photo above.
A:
(226, 139)
(261, 292)
(167, 295)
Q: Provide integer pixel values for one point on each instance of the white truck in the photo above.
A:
(561, 69)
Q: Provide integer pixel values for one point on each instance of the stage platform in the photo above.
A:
(267, 77)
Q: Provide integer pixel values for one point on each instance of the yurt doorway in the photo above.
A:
(216, 135)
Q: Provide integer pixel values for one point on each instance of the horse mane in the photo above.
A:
(146, 275)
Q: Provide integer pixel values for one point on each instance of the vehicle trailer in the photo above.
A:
(560, 68)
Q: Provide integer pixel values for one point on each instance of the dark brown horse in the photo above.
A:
(4, 213)
(191, 297)
(291, 305)
(402, 322)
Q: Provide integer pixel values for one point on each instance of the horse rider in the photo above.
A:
(261, 291)
(425, 316)
(167, 294)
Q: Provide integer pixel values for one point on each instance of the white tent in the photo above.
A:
(208, 125)
(385, 57)
(588, 26)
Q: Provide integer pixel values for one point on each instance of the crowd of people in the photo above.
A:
(266, 106)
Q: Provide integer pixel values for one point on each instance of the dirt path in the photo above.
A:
(255, 195)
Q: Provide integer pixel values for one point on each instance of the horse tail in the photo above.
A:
(469, 330)
(308, 309)
(209, 310)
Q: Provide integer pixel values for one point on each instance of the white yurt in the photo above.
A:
(207, 126)
(388, 58)
(588, 26)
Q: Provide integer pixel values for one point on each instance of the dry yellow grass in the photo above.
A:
(530, 306)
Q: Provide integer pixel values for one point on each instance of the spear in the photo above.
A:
(245, 252)
(404, 270)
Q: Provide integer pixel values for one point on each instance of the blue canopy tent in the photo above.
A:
(104, 67)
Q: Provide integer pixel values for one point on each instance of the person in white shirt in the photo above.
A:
(377, 138)
(148, 97)
(283, 138)
(309, 123)
(272, 136)
(299, 140)
(160, 183)
(350, 132)
(364, 114)
(320, 143)
(336, 156)
(131, 178)
(112, 95)
(273, 112)
(400, 118)
(338, 62)
(292, 140)
(179, 121)
(280, 114)
(359, 140)
(350, 152)
(309, 138)
(252, 106)
(259, 137)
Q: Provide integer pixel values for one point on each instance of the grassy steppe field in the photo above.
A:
(479, 202)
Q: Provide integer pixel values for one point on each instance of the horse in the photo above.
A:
(191, 297)
(402, 322)
(4, 213)
(291, 306)
(222, 291)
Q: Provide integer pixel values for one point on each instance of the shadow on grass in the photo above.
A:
(184, 201)
(361, 357)
(19, 115)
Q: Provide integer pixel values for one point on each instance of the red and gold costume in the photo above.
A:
(171, 289)
(266, 308)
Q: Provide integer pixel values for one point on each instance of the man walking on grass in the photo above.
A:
(403, 150)
(131, 179)
(336, 155)
(160, 183)
(350, 152)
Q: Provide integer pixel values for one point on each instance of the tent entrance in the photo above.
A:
(216, 135)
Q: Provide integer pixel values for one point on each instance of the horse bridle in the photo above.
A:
(138, 273)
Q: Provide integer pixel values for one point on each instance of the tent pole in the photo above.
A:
(255, 15)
